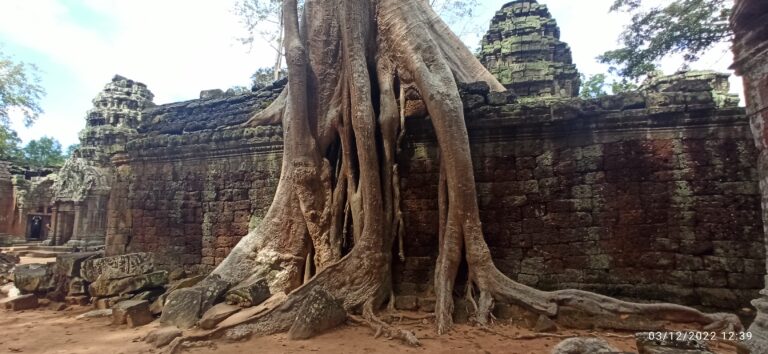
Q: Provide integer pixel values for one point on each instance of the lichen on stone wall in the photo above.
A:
(523, 50)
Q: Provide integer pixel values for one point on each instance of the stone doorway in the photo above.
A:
(38, 226)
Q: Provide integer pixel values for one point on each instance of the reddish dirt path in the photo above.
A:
(48, 332)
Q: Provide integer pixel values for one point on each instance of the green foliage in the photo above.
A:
(43, 152)
(592, 87)
(19, 89)
(261, 18)
(686, 27)
(71, 150)
(265, 76)
(10, 149)
(595, 86)
(624, 85)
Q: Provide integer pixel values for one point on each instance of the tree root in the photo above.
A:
(382, 328)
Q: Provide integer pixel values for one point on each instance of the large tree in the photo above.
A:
(20, 90)
(44, 152)
(350, 64)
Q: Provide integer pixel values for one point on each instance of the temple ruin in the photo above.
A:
(652, 195)
(523, 50)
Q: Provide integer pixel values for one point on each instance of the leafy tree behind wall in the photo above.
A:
(597, 85)
(44, 152)
(685, 27)
(10, 149)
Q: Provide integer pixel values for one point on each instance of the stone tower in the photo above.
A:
(82, 187)
(114, 117)
(523, 50)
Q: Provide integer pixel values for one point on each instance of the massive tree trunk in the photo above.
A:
(350, 63)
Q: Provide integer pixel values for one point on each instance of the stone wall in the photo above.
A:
(188, 192)
(6, 199)
(650, 196)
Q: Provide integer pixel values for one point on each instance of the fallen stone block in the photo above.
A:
(95, 314)
(80, 300)
(584, 345)
(157, 305)
(69, 264)
(213, 289)
(406, 302)
(649, 343)
(109, 302)
(319, 312)
(21, 302)
(34, 278)
(133, 312)
(117, 267)
(103, 287)
(77, 287)
(150, 295)
(250, 293)
(182, 308)
(162, 336)
(216, 314)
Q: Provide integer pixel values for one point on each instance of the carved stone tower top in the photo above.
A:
(523, 50)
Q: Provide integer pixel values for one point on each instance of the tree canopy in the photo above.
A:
(685, 27)
(596, 85)
(19, 89)
(44, 152)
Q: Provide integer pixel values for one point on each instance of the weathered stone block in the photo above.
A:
(251, 293)
(69, 264)
(319, 312)
(21, 302)
(109, 287)
(77, 287)
(34, 278)
(216, 314)
(406, 302)
(182, 308)
(117, 267)
(133, 312)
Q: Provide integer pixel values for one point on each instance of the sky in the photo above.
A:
(180, 47)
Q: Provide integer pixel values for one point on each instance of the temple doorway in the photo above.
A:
(38, 226)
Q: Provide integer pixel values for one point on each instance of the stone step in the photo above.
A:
(37, 254)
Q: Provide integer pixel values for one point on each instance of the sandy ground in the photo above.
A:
(50, 332)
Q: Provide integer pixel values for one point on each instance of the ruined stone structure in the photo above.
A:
(6, 203)
(25, 206)
(623, 195)
(82, 189)
(523, 50)
(750, 47)
(649, 195)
